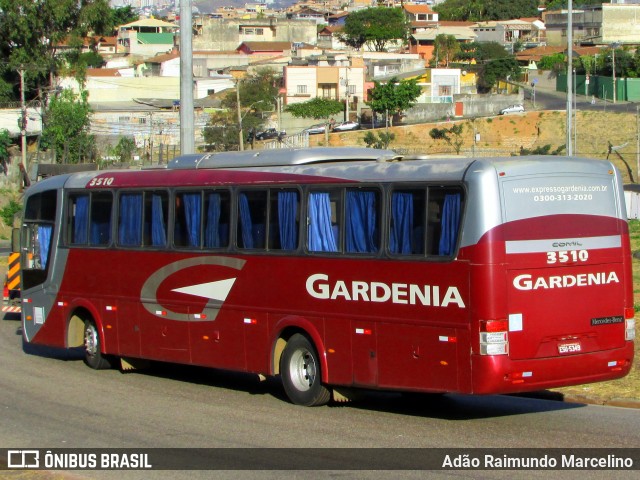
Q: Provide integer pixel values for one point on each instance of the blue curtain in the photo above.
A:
(402, 225)
(212, 228)
(158, 227)
(44, 234)
(130, 226)
(81, 220)
(361, 222)
(287, 214)
(321, 238)
(245, 221)
(192, 207)
(450, 223)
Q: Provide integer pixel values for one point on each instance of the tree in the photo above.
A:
(381, 141)
(66, 127)
(258, 93)
(482, 10)
(122, 16)
(394, 97)
(376, 26)
(125, 148)
(5, 141)
(446, 47)
(453, 136)
(221, 132)
(556, 62)
(500, 69)
(318, 108)
(31, 30)
(489, 51)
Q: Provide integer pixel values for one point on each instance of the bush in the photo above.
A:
(8, 212)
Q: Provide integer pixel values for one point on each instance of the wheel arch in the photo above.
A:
(78, 314)
(285, 329)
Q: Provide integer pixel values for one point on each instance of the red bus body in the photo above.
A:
(537, 295)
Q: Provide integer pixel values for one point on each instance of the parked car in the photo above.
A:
(270, 133)
(315, 129)
(512, 109)
(346, 126)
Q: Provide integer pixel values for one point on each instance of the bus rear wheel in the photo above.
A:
(300, 373)
(93, 357)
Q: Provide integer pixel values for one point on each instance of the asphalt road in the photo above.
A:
(50, 399)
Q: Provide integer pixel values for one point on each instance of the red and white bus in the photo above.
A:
(336, 267)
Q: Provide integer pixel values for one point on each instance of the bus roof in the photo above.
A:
(324, 165)
(281, 157)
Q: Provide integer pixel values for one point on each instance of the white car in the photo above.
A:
(316, 129)
(346, 126)
(512, 109)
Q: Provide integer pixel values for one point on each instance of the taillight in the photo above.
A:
(630, 329)
(494, 339)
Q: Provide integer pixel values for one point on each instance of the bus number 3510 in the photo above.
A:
(564, 256)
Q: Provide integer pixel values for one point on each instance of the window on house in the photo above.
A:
(301, 89)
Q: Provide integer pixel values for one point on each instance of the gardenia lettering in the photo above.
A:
(529, 282)
(319, 286)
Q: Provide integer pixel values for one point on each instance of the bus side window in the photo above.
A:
(216, 218)
(156, 215)
(252, 219)
(444, 212)
(323, 218)
(100, 221)
(407, 229)
(187, 219)
(361, 221)
(284, 220)
(79, 219)
(130, 219)
(37, 234)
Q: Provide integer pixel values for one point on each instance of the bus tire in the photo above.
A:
(93, 357)
(300, 373)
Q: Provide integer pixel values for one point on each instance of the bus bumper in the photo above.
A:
(500, 374)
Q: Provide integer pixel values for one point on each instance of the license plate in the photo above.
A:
(569, 348)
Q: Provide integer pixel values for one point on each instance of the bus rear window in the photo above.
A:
(559, 194)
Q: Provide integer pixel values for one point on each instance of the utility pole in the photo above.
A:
(23, 120)
(240, 136)
(569, 140)
(614, 45)
(187, 133)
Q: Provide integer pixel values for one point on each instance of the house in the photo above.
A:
(332, 77)
(214, 34)
(423, 43)
(146, 37)
(265, 48)
(307, 13)
(508, 33)
(328, 37)
(105, 46)
(420, 14)
(603, 24)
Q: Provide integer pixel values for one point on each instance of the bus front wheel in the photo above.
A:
(93, 357)
(300, 373)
